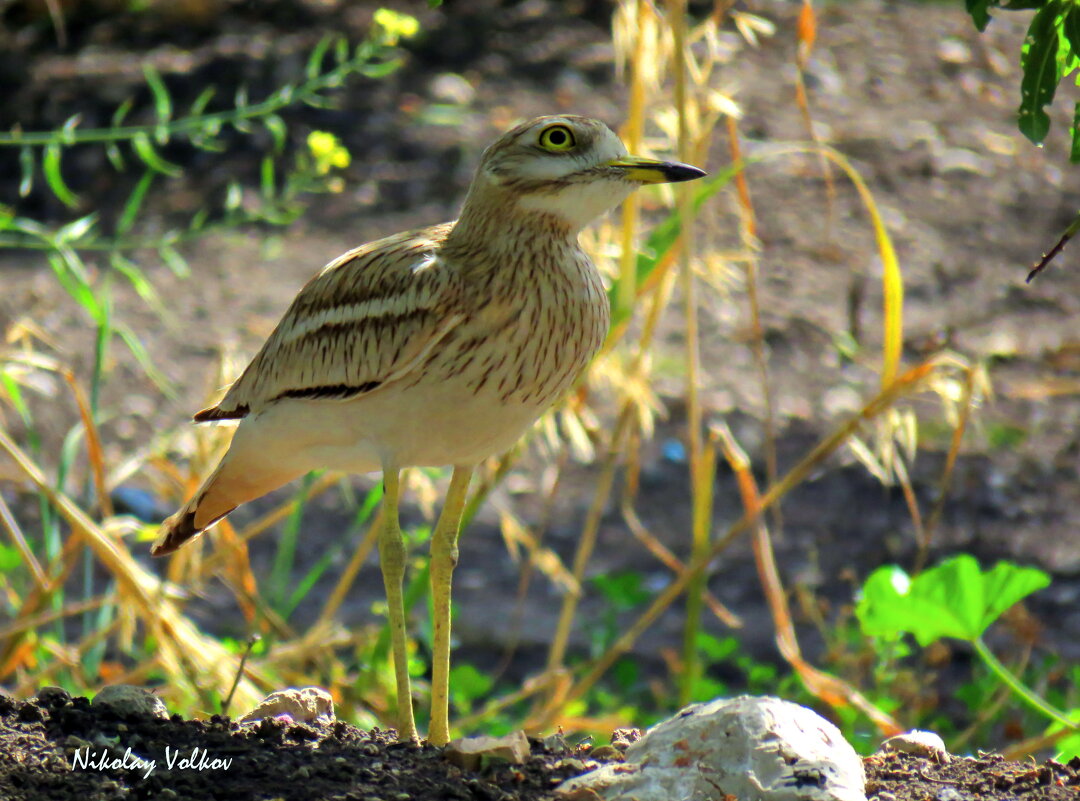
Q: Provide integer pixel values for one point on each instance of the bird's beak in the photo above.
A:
(650, 171)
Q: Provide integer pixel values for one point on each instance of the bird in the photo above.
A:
(438, 346)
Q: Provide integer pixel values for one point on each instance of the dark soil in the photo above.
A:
(338, 762)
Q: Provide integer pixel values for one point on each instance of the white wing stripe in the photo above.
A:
(392, 306)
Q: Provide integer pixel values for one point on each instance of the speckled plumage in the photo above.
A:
(439, 346)
(495, 314)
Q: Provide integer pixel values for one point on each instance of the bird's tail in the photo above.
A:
(263, 455)
(207, 507)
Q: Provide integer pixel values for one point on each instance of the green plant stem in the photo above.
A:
(1026, 694)
(287, 96)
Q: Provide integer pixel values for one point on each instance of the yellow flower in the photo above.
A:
(396, 25)
(327, 151)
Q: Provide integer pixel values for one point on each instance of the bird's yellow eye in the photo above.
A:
(557, 139)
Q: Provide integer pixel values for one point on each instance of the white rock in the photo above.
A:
(754, 749)
(301, 704)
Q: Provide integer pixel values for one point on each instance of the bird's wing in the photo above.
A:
(370, 317)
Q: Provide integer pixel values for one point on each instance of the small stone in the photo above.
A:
(624, 738)
(556, 743)
(73, 743)
(450, 87)
(919, 743)
(953, 51)
(298, 704)
(606, 753)
(53, 696)
(128, 701)
(468, 753)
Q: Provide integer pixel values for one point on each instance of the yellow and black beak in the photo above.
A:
(650, 171)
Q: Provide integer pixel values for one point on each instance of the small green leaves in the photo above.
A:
(162, 101)
(1051, 50)
(26, 168)
(67, 130)
(69, 234)
(202, 101)
(276, 126)
(134, 203)
(315, 60)
(50, 165)
(174, 261)
(955, 599)
(145, 151)
(1039, 61)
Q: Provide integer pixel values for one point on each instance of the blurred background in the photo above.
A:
(155, 230)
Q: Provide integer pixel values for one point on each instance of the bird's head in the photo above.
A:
(572, 168)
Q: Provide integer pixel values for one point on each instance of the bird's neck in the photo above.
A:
(494, 223)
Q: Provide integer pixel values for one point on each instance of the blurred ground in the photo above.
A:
(921, 103)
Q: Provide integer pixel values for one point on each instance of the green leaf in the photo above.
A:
(234, 196)
(315, 60)
(1039, 61)
(15, 396)
(468, 684)
(267, 176)
(138, 280)
(122, 112)
(276, 126)
(1068, 747)
(145, 150)
(162, 101)
(67, 131)
(1074, 152)
(1070, 26)
(623, 590)
(198, 219)
(380, 69)
(202, 101)
(116, 158)
(75, 230)
(141, 355)
(954, 599)
(26, 166)
(207, 143)
(76, 285)
(174, 261)
(241, 101)
(134, 203)
(980, 12)
(50, 165)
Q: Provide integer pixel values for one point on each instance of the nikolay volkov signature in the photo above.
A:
(196, 759)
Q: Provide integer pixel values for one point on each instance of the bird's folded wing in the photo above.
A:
(369, 318)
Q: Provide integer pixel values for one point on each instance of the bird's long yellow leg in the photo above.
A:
(392, 562)
(444, 556)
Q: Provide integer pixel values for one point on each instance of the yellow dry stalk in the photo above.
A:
(517, 537)
(190, 659)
